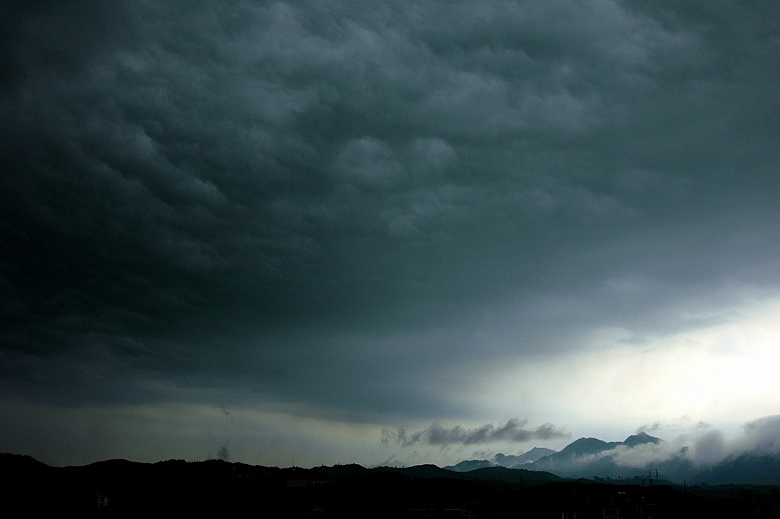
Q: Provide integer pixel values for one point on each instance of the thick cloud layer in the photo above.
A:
(355, 210)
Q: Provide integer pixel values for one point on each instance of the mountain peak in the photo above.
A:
(586, 446)
(512, 461)
(640, 438)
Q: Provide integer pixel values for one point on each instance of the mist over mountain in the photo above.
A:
(752, 458)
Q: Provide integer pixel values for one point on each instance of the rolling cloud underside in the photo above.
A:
(513, 430)
(261, 193)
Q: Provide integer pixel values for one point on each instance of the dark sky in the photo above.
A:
(389, 231)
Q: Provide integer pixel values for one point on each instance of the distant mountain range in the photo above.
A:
(640, 461)
(216, 487)
(503, 460)
(121, 488)
(585, 479)
(639, 457)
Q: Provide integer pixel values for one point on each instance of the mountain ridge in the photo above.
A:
(122, 488)
(636, 458)
(639, 456)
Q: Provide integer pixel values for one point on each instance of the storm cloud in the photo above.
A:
(364, 213)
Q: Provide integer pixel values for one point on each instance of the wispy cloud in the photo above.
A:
(514, 430)
(224, 453)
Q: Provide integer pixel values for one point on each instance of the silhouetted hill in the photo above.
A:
(469, 465)
(20, 463)
(122, 488)
(515, 476)
(425, 471)
(345, 471)
(745, 469)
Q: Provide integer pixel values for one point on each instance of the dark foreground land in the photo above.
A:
(119, 488)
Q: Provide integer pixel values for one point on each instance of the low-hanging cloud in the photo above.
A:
(514, 430)
(704, 447)
(642, 455)
(762, 436)
(223, 453)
